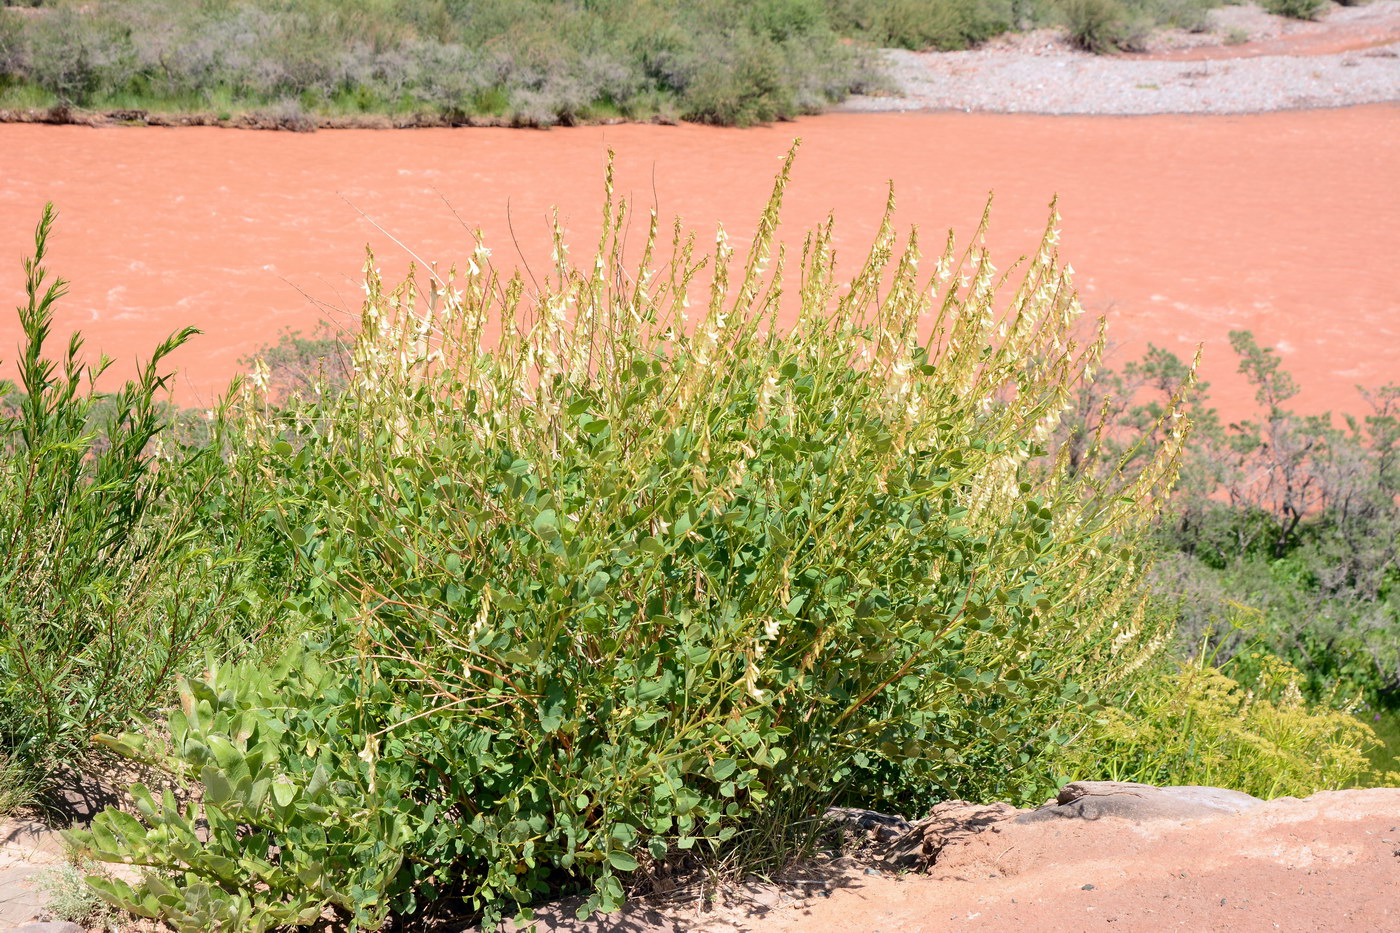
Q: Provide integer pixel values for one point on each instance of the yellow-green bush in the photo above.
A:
(1196, 725)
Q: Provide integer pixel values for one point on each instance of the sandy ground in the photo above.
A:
(28, 852)
(1327, 864)
(1351, 56)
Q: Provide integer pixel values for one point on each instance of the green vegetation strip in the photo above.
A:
(297, 64)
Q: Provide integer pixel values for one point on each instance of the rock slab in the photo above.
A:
(1095, 800)
(27, 850)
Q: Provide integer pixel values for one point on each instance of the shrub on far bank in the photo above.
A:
(919, 24)
(526, 62)
(530, 62)
(1102, 25)
(1296, 9)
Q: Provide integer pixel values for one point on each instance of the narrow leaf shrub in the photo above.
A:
(1294, 516)
(615, 567)
(105, 595)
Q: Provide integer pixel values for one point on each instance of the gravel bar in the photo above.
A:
(1040, 73)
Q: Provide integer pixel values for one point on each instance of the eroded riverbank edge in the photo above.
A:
(1243, 61)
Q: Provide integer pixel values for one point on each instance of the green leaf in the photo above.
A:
(320, 778)
(622, 861)
(217, 789)
(283, 793)
(598, 583)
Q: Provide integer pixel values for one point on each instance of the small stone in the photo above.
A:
(881, 828)
(1087, 887)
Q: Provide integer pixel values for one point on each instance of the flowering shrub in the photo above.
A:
(615, 568)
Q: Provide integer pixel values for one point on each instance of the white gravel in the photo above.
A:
(1039, 73)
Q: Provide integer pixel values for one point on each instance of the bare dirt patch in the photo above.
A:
(1326, 864)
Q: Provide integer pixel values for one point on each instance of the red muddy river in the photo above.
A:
(1182, 228)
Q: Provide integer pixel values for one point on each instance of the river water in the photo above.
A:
(1181, 227)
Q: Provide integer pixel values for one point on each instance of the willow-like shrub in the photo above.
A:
(604, 579)
(111, 583)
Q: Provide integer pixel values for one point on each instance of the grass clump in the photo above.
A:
(614, 569)
(17, 789)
